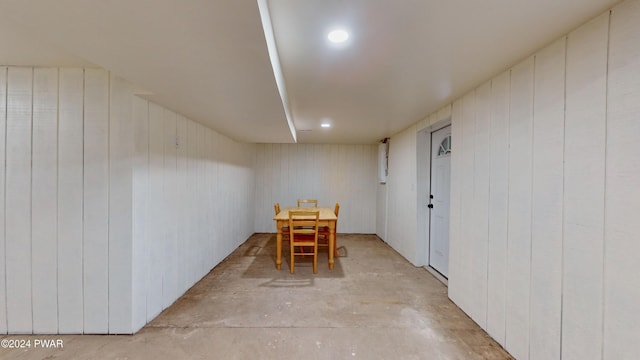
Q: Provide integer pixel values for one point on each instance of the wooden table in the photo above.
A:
(327, 218)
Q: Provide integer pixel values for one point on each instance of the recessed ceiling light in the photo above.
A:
(325, 125)
(338, 36)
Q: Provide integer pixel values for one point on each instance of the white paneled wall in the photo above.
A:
(583, 242)
(96, 202)
(329, 173)
(57, 186)
(70, 184)
(193, 192)
(44, 184)
(498, 206)
(552, 146)
(547, 201)
(18, 200)
(402, 194)
(622, 196)
(3, 255)
(94, 176)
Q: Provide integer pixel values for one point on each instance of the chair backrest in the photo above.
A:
(276, 207)
(303, 223)
(337, 210)
(302, 202)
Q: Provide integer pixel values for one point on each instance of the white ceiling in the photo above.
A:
(209, 60)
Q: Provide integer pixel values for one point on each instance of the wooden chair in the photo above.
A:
(324, 231)
(302, 202)
(303, 231)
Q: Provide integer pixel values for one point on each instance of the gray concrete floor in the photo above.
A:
(372, 305)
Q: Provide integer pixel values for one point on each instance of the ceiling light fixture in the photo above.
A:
(338, 36)
(325, 125)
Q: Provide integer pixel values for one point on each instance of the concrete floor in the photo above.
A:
(373, 305)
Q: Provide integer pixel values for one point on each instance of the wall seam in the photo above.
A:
(58, 202)
(108, 201)
(506, 260)
(604, 222)
(4, 228)
(533, 115)
(33, 71)
(83, 197)
(486, 313)
(564, 147)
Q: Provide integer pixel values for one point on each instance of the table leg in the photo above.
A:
(279, 246)
(332, 242)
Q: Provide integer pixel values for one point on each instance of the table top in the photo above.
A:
(325, 213)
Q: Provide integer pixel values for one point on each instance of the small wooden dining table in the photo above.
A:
(326, 218)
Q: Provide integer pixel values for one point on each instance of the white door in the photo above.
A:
(439, 204)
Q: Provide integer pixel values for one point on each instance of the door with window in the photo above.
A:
(439, 200)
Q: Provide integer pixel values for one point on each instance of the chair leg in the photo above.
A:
(292, 251)
(315, 258)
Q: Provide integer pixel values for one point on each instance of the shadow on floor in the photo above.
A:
(261, 249)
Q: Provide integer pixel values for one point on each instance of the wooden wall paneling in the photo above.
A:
(120, 206)
(18, 200)
(373, 186)
(192, 226)
(547, 195)
(622, 204)
(284, 184)
(270, 179)
(156, 221)
(481, 169)
(141, 242)
(216, 194)
(208, 198)
(360, 201)
(263, 199)
(467, 148)
(169, 263)
(498, 206)
(3, 258)
(182, 214)
(70, 200)
(223, 185)
(202, 200)
(219, 227)
(519, 231)
(343, 168)
(455, 283)
(44, 200)
(313, 171)
(96, 202)
(247, 195)
(325, 174)
(584, 185)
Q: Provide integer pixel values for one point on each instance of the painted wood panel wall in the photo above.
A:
(65, 257)
(3, 255)
(562, 278)
(547, 202)
(498, 206)
(18, 200)
(93, 173)
(622, 197)
(585, 134)
(44, 186)
(96, 202)
(70, 198)
(193, 195)
(329, 173)
(402, 196)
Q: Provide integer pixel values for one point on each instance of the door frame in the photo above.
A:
(423, 190)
